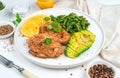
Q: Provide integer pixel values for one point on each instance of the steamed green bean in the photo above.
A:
(72, 22)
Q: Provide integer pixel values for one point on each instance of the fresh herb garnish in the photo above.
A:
(47, 18)
(1, 6)
(49, 27)
(17, 20)
(48, 41)
(57, 29)
(55, 23)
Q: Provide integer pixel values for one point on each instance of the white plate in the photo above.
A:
(63, 61)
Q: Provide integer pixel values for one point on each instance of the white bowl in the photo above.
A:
(3, 10)
(5, 23)
(109, 65)
(20, 9)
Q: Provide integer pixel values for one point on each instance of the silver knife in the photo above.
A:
(10, 64)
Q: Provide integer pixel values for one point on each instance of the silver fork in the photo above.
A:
(10, 64)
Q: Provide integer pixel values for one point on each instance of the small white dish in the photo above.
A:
(6, 23)
(20, 9)
(109, 65)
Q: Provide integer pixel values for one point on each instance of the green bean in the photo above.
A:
(53, 18)
(72, 22)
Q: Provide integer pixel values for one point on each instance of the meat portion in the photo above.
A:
(62, 37)
(39, 49)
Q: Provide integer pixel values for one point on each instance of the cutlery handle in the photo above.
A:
(29, 74)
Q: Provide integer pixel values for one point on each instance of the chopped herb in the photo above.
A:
(17, 20)
(1, 6)
(47, 18)
(48, 41)
(49, 27)
(55, 23)
(58, 29)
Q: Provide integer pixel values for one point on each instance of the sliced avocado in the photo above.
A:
(79, 43)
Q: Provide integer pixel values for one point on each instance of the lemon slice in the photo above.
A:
(30, 29)
(43, 16)
(37, 19)
(32, 25)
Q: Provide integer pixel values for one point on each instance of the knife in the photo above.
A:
(10, 64)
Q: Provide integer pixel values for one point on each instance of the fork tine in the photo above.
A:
(3, 58)
(5, 61)
(9, 63)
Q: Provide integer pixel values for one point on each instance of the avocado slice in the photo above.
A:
(79, 43)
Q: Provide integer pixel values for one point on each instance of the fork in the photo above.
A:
(10, 64)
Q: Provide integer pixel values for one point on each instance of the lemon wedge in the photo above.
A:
(30, 29)
(36, 19)
(32, 25)
(43, 16)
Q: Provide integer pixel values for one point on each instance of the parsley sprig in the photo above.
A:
(47, 18)
(17, 20)
(1, 6)
(48, 41)
(54, 26)
(57, 29)
(55, 23)
(49, 27)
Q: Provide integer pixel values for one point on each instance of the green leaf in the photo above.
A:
(58, 29)
(1, 6)
(17, 15)
(55, 23)
(18, 18)
(49, 27)
(15, 22)
(47, 18)
(48, 41)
